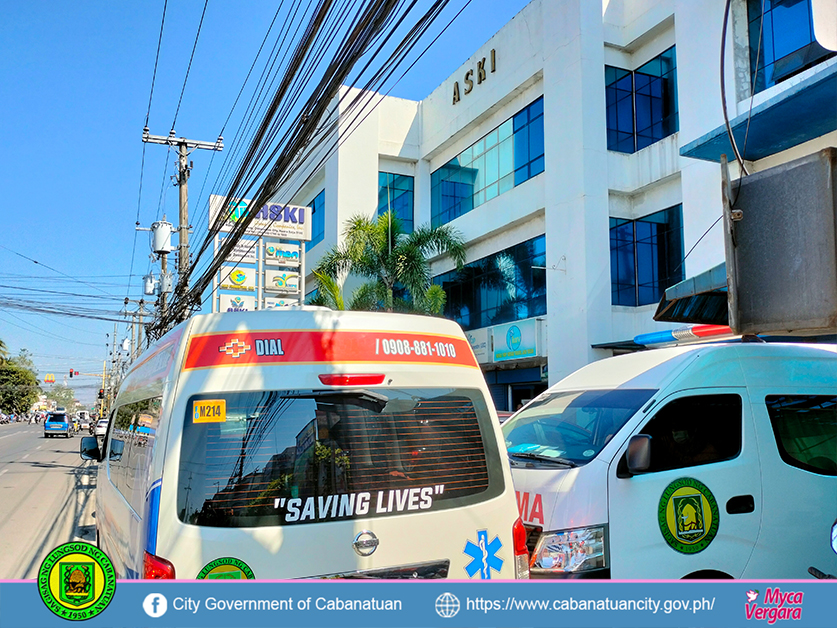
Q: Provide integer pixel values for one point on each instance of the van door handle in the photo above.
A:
(741, 504)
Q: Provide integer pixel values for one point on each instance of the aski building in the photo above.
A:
(577, 151)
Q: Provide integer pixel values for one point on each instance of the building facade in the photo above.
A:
(577, 152)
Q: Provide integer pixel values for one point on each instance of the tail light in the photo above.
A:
(156, 568)
(521, 552)
(352, 379)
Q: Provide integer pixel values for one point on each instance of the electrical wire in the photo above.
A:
(189, 67)
(738, 156)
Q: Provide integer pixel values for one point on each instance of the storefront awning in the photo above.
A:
(701, 299)
(801, 113)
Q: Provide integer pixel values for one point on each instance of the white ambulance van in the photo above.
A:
(307, 443)
(707, 461)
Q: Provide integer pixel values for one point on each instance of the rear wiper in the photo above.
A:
(542, 458)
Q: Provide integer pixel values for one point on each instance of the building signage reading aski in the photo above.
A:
(479, 75)
(288, 222)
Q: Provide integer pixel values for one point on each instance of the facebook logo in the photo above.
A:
(155, 605)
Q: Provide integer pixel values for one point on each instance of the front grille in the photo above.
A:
(533, 533)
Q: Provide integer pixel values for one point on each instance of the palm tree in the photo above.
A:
(379, 250)
(4, 352)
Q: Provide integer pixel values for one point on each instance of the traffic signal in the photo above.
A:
(101, 393)
(71, 373)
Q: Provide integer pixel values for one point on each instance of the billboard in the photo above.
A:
(273, 220)
(281, 281)
(237, 278)
(514, 341)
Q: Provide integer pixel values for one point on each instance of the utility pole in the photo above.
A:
(183, 169)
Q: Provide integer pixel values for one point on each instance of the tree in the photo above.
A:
(62, 396)
(396, 265)
(4, 352)
(18, 389)
(24, 360)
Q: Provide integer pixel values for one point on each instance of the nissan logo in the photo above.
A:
(365, 543)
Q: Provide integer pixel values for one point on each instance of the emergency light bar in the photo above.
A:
(684, 335)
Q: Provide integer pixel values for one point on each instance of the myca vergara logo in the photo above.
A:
(688, 515)
(76, 581)
(777, 605)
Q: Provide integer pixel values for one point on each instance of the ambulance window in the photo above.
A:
(277, 458)
(130, 446)
(805, 427)
(692, 431)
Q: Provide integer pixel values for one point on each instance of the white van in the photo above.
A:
(307, 443)
(708, 461)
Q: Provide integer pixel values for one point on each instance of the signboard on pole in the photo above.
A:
(278, 303)
(281, 254)
(244, 252)
(237, 278)
(237, 303)
(273, 220)
(281, 281)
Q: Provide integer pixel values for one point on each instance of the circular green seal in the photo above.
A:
(76, 581)
(227, 568)
(688, 515)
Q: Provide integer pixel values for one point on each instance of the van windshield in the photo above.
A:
(276, 458)
(572, 427)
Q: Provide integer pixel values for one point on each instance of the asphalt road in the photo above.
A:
(47, 497)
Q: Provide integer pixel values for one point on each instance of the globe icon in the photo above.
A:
(447, 605)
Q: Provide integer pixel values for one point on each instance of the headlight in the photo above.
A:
(570, 551)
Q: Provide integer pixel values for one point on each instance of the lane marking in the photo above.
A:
(3, 471)
(38, 447)
(24, 457)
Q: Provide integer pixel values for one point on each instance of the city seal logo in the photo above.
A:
(76, 581)
(688, 516)
(226, 569)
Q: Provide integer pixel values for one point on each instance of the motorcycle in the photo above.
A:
(816, 572)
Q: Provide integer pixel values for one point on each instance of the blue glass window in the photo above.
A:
(507, 286)
(317, 206)
(646, 256)
(395, 192)
(507, 156)
(641, 105)
(781, 40)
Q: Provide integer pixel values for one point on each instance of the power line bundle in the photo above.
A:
(300, 121)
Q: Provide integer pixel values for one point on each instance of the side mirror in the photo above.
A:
(834, 536)
(116, 448)
(89, 449)
(639, 453)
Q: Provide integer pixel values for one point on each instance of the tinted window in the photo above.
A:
(57, 418)
(692, 431)
(571, 425)
(274, 458)
(130, 447)
(805, 427)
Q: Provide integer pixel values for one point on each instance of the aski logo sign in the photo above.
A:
(777, 605)
(531, 508)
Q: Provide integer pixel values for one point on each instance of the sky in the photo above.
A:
(77, 78)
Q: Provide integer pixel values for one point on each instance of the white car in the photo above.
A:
(101, 427)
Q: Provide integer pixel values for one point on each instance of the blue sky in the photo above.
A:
(77, 78)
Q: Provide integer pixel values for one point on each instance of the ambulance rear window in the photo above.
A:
(275, 458)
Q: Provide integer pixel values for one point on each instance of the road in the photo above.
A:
(46, 497)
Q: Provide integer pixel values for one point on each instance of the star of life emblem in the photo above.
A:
(234, 348)
(484, 556)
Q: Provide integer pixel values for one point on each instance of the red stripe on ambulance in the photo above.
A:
(247, 348)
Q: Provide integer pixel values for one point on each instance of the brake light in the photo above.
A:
(352, 379)
(521, 552)
(156, 568)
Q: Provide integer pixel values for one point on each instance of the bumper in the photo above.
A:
(594, 574)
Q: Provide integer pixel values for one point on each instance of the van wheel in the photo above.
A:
(708, 574)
